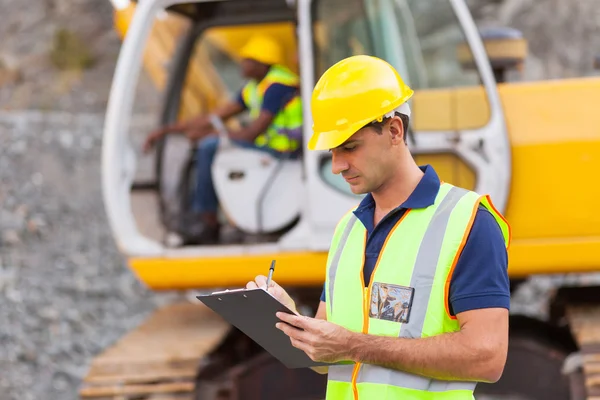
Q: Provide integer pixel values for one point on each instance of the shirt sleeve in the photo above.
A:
(276, 96)
(323, 293)
(480, 278)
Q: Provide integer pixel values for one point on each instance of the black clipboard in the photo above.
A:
(253, 311)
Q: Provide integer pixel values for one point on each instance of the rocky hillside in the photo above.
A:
(563, 36)
(60, 54)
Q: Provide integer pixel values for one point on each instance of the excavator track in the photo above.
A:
(585, 326)
(158, 360)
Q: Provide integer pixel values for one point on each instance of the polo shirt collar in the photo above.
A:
(423, 196)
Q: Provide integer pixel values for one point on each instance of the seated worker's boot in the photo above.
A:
(201, 228)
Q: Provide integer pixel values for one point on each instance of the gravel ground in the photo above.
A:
(65, 293)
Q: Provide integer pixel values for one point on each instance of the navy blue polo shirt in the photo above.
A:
(480, 278)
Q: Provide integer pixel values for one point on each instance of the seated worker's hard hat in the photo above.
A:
(351, 94)
(264, 49)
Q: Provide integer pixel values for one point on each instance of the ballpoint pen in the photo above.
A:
(271, 269)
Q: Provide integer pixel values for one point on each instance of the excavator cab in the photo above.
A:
(285, 209)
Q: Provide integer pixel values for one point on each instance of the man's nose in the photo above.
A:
(338, 163)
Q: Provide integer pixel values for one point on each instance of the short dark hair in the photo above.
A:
(378, 126)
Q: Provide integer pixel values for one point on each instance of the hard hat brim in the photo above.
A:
(331, 140)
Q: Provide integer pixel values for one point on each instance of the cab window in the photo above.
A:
(424, 41)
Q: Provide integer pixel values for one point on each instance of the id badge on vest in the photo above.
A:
(391, 302)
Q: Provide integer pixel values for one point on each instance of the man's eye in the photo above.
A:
(349, 148)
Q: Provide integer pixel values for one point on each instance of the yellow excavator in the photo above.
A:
(533, 146)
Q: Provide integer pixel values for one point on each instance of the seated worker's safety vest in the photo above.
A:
(410, 282)
(285, 132)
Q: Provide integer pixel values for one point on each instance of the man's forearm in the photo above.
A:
(228, 110)
(451, 356)
(174, 127)
(199, 123)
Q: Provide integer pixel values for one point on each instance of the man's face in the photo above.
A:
(367, 159)
(251, 69)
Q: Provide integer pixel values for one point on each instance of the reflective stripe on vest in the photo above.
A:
(374, 374)
(285, 132)
(420, 252)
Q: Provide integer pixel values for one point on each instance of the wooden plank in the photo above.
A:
(151, 376)
(149, 367)
(129, 390)
(592, 367)
(585, 325)
(592, 381)
(174, 338)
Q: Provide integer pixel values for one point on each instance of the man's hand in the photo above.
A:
(319, 339)
(277, 291)
(193, 129)
(151, 139)
(196, 133)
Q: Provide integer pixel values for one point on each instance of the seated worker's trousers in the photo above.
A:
(205, 197)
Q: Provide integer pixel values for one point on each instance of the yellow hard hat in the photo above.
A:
(351, 94)
(264, 49)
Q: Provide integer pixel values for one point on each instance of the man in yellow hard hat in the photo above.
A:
(440, 248)
(271, 96)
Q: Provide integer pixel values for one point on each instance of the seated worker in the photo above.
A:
(272, 98)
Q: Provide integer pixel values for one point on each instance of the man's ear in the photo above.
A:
(396, 130)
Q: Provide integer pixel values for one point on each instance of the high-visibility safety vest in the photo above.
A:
(420, 253)
(285, 132)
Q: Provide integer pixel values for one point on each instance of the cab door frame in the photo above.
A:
(492, 141)
(485, 149)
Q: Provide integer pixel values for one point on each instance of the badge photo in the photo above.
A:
(391, 302)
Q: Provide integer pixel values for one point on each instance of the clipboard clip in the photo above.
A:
(228, 291)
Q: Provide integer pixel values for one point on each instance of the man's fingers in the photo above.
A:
(251, 285)
(294, 333)
(261, 280)
(285, 317)
(295, 320)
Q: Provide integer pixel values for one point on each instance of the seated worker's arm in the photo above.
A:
(194, 127)
(479, 297)
(275, 98)
(202, 122)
